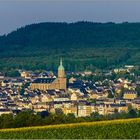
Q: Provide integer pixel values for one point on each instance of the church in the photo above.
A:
(51, 83)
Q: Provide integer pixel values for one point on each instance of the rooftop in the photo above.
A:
(44, 80)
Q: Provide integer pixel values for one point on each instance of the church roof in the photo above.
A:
(44, 80)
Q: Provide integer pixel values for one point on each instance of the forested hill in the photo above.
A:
(74, 34)
(94, 45)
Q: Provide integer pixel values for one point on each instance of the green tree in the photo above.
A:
(96, 115)
(27, 118)
(58, 111)
(132, 113)
(70, 117)
(6, 121)
(110, 95)
(138, 89)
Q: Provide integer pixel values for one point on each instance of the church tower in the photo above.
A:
(61, 70)
(61, 76)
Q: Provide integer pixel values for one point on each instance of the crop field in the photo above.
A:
(115, 129)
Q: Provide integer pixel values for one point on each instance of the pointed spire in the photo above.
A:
(61, 65)
(61, 70)
(61, 62)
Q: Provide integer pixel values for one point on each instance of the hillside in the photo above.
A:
(115, 129)
(90, 45)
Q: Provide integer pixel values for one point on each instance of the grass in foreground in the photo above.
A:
(115, 129)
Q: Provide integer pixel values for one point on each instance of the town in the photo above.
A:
(79, 93)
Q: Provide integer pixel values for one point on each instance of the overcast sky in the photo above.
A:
(17, 13)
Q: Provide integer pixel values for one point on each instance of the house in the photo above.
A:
(1, 76)
(24, 74)
(45, 98)
(73, 109)
(100, 108)
(5, 111)
(136, 103)
(61, 99)
(73, 97)
(41, 106)
(71, 80)
(109, 101)
(130, 95)
(119, 70)
(105, 109)
(122, 108)
(84, 110)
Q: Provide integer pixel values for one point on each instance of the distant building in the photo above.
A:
(84, 110)
(88, 72)
(51, 83)
(136, 103)
(5, 111)
(120, 70)
(129, 67)
(25, 74)
(130, 95)
(74, 97)
(1, 76)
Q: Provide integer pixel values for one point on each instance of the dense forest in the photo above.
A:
(82, 45)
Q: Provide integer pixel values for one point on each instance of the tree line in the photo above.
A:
(29, 118)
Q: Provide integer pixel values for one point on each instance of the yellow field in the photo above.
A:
(102, 129)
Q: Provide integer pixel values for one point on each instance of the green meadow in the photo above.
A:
(114, 129)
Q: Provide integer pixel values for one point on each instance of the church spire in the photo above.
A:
(61, 62)
(61, 70)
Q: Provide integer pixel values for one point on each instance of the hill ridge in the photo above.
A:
(106, 44)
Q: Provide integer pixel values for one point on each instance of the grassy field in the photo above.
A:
(115, 129)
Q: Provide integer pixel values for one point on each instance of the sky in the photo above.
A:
(17, 13)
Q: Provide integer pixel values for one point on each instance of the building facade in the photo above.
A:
(51, 83)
